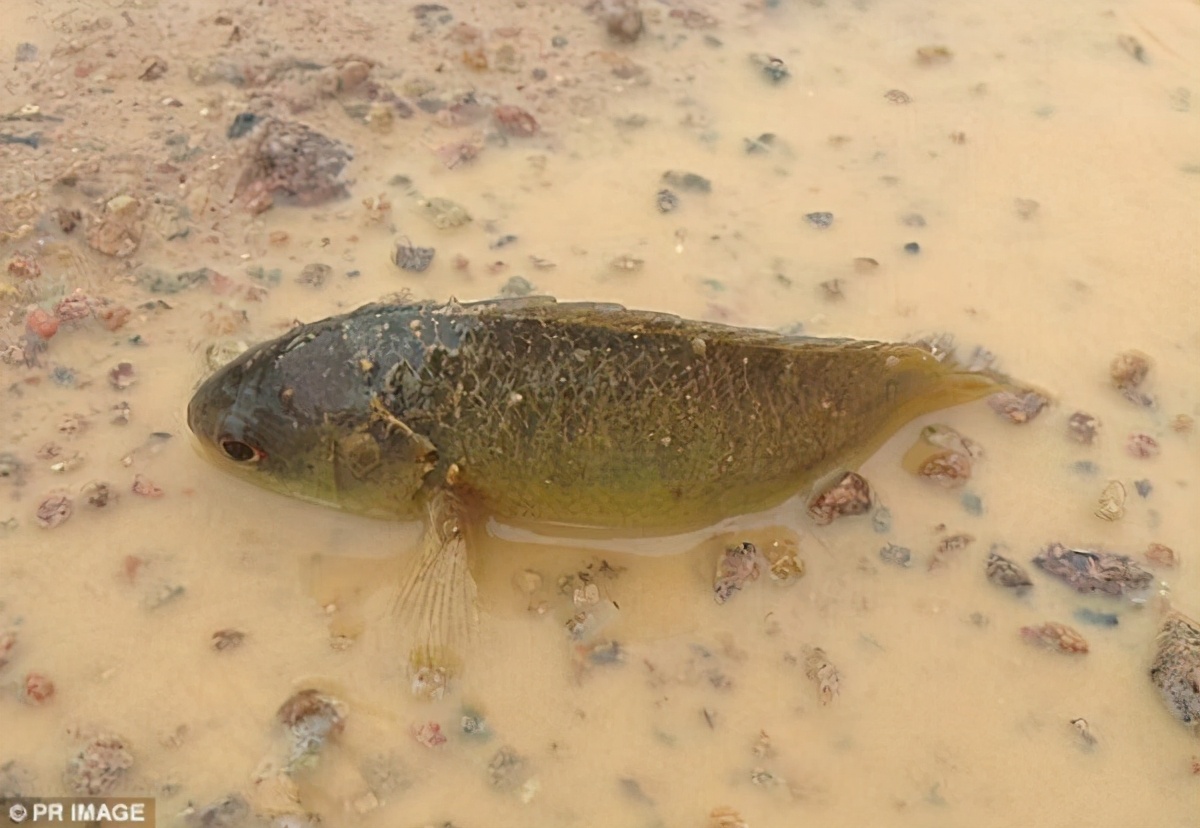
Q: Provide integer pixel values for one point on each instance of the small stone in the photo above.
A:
(122, 376)
(1007, 573)
(1162, 555)
(1082, 428)
(1129, 369)
(1141, 445)
(1133, 47)
(820, 220)
(37, 689)
(623, 20)
(1026, 208)
(848, 495)
(413, 259)
(1097, 619)
(54, 511)
(1112, 502)
(98, 767)
(912, 248)
(517, 286)
(243, 122)
(144, 487)
(1094, 571)
(1143, 488)
(896, 555)
(1176, 668)
(881, 520)
(760, 145)
(514, 121)
(897, 96)
(314, 274)
(934, 55)
(1183, 424)
(227, 639)
(738, 565)
(818, 668)
(666, 201)
(429, 734)
(972, 503)
(26, 52)
(99, 494)
(772, 68)
(444, 213)
(1054, 635)
(1018, 408)
(687, 181)
(41, 324)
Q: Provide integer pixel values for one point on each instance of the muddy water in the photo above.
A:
(944, 715)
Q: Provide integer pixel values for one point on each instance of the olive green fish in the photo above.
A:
(541, 412)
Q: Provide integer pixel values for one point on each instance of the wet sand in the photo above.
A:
(945, 715)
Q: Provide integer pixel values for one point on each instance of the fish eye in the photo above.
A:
(240, 452)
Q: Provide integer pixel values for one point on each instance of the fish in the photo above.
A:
(546, 413)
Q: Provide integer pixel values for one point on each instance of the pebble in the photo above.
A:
(896, 555)
(772, 68)
(1112, 502)
(1097, 619)
(54, 510)
(1018, 408)
(848, 495)
(666, 201)
(98, 767)
(227, 639)
(1143, 488)
(1162, 555)
(444, 213)
(1082, 428)
(1007, 573)
(687, 181)
(1141, 445)
(314, 274)
(1056, 636)
(1176, 668)
(737, 565)
(517, 286)
(413, 259)
(913, 248)
(818, 668)
(820, 220)
(1094, 571)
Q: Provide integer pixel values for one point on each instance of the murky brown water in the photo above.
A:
(945, 716)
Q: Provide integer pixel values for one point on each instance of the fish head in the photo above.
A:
(298, 416)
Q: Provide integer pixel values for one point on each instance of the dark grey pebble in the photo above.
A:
(32, 140)
(558, 41)
(775, 70)
(820, 219)
(687, 181)
(666, 201)
(503, 241)
(881, 518)
(1144, 487)
(912, 247)
(896, 555)
(761, 144)
(243, 123)
(1097, 619)
(972, 503)
(411, 258)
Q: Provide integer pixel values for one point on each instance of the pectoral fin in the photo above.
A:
(437, 602)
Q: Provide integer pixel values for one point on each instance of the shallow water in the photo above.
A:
(945, 715)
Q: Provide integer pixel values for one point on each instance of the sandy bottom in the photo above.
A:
(1044, 157)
